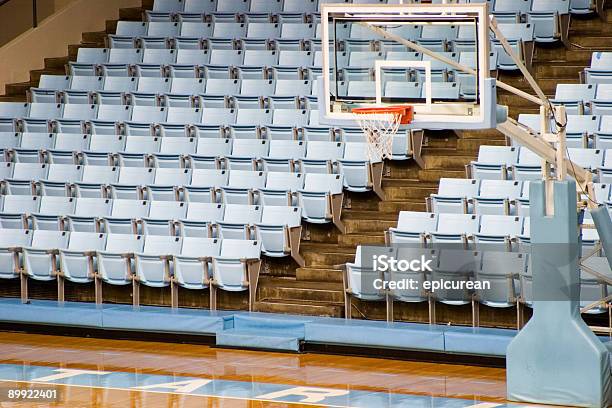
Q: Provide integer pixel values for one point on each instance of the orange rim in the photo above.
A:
(404, 111)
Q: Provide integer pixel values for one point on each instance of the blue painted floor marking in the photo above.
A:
(216, 388)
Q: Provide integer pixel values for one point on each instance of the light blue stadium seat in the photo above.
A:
(21, 204)
(240, 186)
(278, 231)
(321, 157)
(503, 271)
(497, 232)
(455, 195)
(40, 259)
(528, 166)
(551, 20)
(282, 155)
(402, 89)
(92, 207)
(238, 221)
(200, 6)
(115, 264)
(152, 265)
(321, 198)
(281, 188)
(292, 6)
(163, 29)
(582, 6)
(359, 280)
(497, 197)
(455, 228)
(199, 216)
(574, 97)
(493, 162)
(263, 30)
(77, 262)
(10, 248)
(192, 268)
(454, 265)
(237, 267)
(358, 170)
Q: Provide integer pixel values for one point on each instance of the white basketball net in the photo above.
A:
(379, 129)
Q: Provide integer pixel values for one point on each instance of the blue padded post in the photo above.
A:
(556, 358)
(601, 218)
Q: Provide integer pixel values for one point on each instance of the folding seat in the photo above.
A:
(136, 148)
(580, 128)
(313, 118)
(282, 155)
(260, 57)
(582, 6)
(263, 30)
(114, 113)
(124, 208)
(588, 158)
(218, 86)
(293, 117)
(30, 171)
(149, 114)
(65, 172)
(136, 176)
(257, 87)
(100, 174)
(121, 41)
(298, 31)
(119, 225)
(229, 30)
(125, 56)
(245, 151)
(498, 232)
(279, 133)
(497, 197)
(603, 140)
(359, 278)
(40, 259)
(35, 141)
(115, 262)
(12, 221)
(522, 6)
(493, 162)
(131, 28)
(55, 82)
(243, 132)
(168, 210)
(21, 204)
(282, 104)
(402, 89)
(184, 87)
(208, 131)
(321, 157)
(244, 103)
(296, 6)
(102, 144)
(10, 125)
(192, 57)
(192, 268)
(163, 29)
(602, 103)
(161, 16)
(199, 217)
(78, 69)
(240, 186)
(207, 100)
(238, 221)
(10, 246)
(172, 177)
(443, 91)
(253, 116)
(503, 270)
(200, 6)
(153, 42)
(77, 262)
(253, 72)
(455, 228)
(282, 44)
(279, 231)
(574, 97)
(80, 112)
(40, 95)
(528, 166)
(360, 173)
(236, 268)
(455, 266)
(213, 147)
(281, 188)
(321, 199)
(92, 207)
(6, 170)
(218, 116)
(233, 6)
(455, 195)
(204, 184)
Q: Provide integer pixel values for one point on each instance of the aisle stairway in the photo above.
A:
(316, 288)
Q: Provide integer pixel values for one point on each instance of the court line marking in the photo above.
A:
(175, 393)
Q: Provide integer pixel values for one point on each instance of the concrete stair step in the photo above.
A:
(366, 226)
(321, 233)
(94, 36)
(326, 255)
(445, 161)
(559, 55)
(599, 42)
(402, 205)
(436, 174)
(131, 13)
(409, 192)
(354, 239)
(13, 98)
(288, 289)
(310, 308)
(56, 62)
(472, 145)
(19, 89)
(368, 215)
(111, 26)
(558, 70)
(318, 274)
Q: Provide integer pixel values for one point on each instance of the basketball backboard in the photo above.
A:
(377, 55)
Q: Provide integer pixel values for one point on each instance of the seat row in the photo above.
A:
(125, 259)
(520, 163)
(600, 71)
(581, 130)
(507, 275)
(581, 99)
(234, 6)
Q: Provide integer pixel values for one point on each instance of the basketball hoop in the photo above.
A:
(379, 124)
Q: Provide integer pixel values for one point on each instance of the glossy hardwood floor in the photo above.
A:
(184, 360)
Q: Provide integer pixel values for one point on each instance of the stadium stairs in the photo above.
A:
(317, 289)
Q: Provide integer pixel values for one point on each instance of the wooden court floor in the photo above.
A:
(258, 370)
